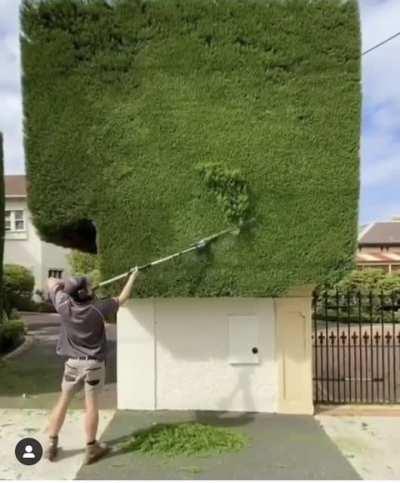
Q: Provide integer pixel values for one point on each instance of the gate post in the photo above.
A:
(294, 352)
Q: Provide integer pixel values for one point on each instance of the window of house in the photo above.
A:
(55, 273)
(7, 224)
(15, 220)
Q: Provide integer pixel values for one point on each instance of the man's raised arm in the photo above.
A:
(126, 291)
(52, 283)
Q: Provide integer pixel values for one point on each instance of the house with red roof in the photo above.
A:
(379, 246)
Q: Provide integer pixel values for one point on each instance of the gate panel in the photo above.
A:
(356, 348)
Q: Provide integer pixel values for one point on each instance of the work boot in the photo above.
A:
(51, 448)
(95, 451)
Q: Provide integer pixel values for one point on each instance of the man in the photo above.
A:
(83, 341)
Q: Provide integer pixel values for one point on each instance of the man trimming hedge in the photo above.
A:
(83, 342)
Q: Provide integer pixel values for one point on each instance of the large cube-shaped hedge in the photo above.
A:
(125, 100)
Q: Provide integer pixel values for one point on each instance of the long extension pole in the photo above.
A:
(197, 246)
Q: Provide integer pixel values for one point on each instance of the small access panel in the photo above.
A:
(243, 339)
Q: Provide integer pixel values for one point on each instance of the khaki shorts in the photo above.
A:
(79, 373)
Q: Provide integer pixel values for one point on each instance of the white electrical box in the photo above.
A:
(243, 339)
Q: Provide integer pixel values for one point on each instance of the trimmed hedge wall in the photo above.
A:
(2, 215)
(125, 101)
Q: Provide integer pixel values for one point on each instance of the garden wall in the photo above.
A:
(242, 354)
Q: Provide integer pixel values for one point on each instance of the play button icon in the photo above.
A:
(28, 451)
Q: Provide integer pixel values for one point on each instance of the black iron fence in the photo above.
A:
(356, 347)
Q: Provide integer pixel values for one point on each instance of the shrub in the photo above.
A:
(83, 263)
(11, 335)
(149, 90)
(18, 287)
(375, 280)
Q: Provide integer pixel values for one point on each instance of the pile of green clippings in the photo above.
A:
(186, 439)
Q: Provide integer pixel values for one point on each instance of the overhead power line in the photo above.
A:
(381, 43)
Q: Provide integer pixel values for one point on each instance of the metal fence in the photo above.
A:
(356, 347)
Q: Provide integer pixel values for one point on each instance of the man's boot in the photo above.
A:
(51, 448)
(95, 451)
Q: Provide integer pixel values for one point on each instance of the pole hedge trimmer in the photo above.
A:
(233, 195)
(198, 246)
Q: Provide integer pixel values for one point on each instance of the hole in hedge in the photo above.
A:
(244, 41)
(208, 39)
(80, 235)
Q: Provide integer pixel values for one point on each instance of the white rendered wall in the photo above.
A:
(175, 354)
(24, 248)
(54, 257)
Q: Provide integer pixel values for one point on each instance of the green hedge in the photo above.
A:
(125, 101)
(2, 215)
(11, 335)
(18, 283)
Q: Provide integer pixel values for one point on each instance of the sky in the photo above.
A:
(380, 137)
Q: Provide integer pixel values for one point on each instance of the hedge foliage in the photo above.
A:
(124, 100)
(85, 264)
(2, 215)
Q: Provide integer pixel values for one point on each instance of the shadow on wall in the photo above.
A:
(242, 390)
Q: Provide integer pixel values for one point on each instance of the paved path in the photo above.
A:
(32, 379)
(16, 424)
(370, 443)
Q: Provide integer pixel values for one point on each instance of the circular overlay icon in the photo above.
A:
(28, 451)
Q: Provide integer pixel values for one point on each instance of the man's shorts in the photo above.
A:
(82, 373)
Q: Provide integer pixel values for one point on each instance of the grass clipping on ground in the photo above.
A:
(187, 439)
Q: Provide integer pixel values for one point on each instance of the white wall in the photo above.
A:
(175, 354)
(54, 257)
(26, 248)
